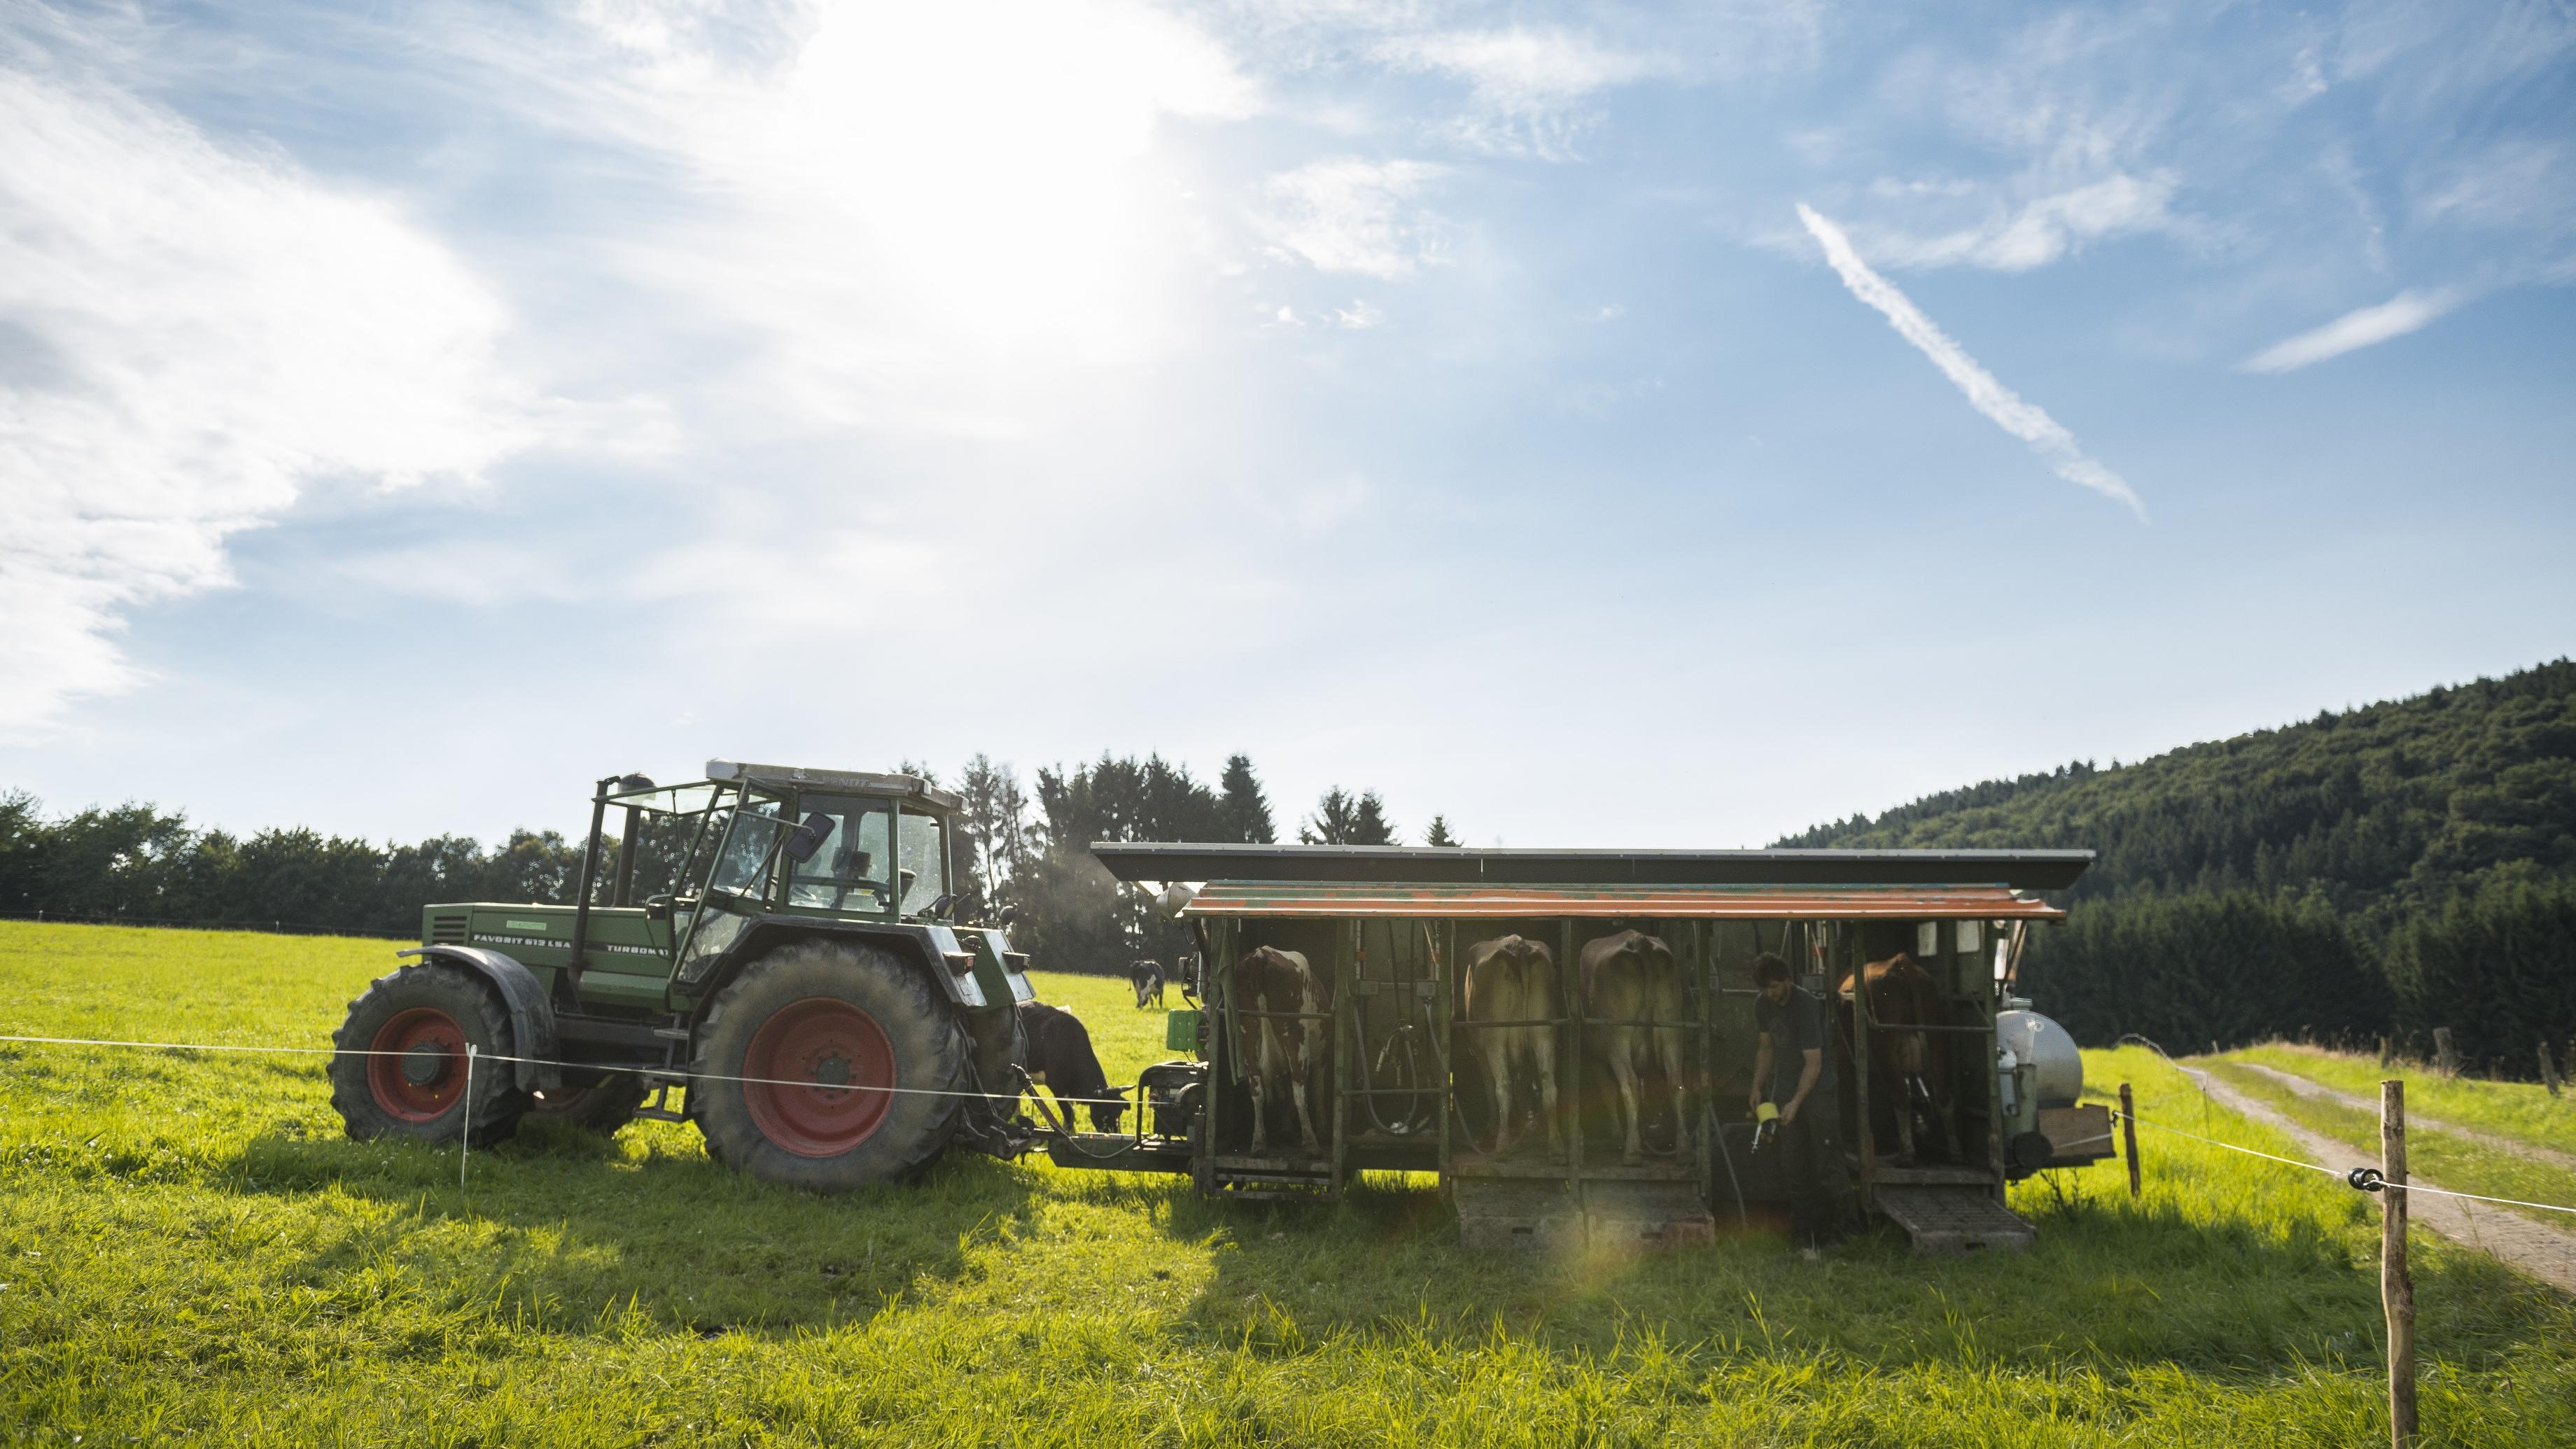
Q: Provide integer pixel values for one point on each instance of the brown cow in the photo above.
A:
(1278, 1047)
(1630, 979)
(1907, 1068)
(1509, 979)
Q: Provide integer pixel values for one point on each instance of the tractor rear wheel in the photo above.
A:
(400, 1070)
(600, 1106)
(884, 1056)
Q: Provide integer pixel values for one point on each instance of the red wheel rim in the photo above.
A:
(426, 1041)
(839, 1048)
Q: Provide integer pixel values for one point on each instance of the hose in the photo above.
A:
(1717, 1130)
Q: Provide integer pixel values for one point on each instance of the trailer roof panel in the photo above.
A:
(1644, 902)
(2018, 869)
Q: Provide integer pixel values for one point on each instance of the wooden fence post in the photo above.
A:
(2384, 1054)
(2548, 1070)
(2445, 1055)
(2129, 1139)
(2396, 1288)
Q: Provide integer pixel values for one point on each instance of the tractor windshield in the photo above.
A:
(847, 871)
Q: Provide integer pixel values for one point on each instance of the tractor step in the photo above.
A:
(1532, 1214)
(1272, 1179)
(1955, 1219)
(1544, 1215)
(1633, 1214)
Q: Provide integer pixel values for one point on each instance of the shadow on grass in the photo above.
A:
(2109, 1286)
(576, 1230)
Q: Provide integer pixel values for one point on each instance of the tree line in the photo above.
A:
(2376, 871)
(1023, 859)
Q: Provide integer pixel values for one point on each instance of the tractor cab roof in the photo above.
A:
(864, 782)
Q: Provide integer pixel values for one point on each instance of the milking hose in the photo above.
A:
(1718, 1130)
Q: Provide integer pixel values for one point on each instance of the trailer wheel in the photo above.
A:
(399, 1065)
(853, 1021)
(601, 1106)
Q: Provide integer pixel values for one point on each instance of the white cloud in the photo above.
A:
(2359, 328)
(1355, 216)
(1526, 84)
(197, 333)
(2039, 231)
(1985, 393)
(1359, 316)
(1522, 69)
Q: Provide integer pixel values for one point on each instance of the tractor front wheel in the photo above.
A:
(829, 1065)
(399, 1069)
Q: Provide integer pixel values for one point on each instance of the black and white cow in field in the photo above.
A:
(1147, 978)
(1060, 1059)
(1276, 1048)
(1630, 979)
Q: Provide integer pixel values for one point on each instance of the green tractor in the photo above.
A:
(796, 988)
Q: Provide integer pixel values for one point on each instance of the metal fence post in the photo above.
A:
(2129, 1138)
(2396, 1288)
(465, 1133)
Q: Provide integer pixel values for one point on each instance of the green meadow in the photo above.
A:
(190, 1250)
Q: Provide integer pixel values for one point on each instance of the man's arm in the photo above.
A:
(1761, 1071)
(1812, 1068)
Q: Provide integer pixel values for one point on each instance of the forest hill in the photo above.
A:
(2383, 870)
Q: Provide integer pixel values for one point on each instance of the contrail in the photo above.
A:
(2023, 420)
(2395, 317)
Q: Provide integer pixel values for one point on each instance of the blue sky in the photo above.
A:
(1607, 426)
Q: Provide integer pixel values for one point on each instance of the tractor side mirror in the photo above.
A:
(940, 908)
(808, 837)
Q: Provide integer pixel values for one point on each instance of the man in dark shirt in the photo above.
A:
(1788, 1059)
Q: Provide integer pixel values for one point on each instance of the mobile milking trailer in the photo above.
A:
(1987, 1096)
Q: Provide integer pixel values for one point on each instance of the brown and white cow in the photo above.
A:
(1907, 1066)
(1510, 979)
(1629, 980)
(1275, 1047)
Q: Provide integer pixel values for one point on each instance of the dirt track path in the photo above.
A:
(2545, 1254)
(2324, 1093)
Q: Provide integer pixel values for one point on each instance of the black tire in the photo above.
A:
(816, 992)
(378, 1098)
(601, 1106)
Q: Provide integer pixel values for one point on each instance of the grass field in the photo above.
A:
(189, 1249)
(2521, 1110)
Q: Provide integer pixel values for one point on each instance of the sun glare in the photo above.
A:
(997, 160)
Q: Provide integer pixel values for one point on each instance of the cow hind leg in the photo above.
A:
(1495, 1053)
(1668, 1053)
(1542, 1050)
(1305, 1123)
(1260, 1121)
(1623, 1069)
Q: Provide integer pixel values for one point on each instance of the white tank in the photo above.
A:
(2057, 1068)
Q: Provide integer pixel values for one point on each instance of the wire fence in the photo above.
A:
(2365, 1179)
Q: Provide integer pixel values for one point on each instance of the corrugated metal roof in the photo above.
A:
(2021, 869)
(1644, 902)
